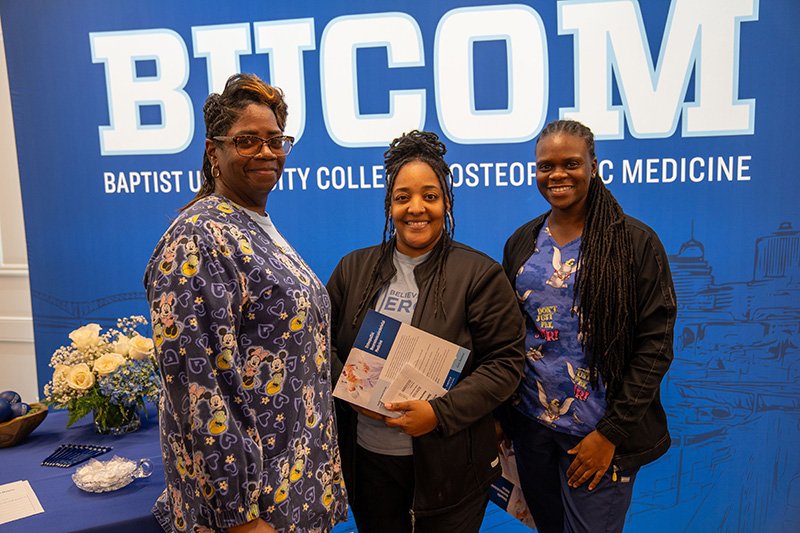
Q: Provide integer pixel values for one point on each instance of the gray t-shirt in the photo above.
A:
(266, 224)
(398, 299)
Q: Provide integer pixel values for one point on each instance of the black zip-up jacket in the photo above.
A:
(459, 458)
(634, 421)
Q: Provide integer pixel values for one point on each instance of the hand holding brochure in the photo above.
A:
(392, 361)
(411, 384)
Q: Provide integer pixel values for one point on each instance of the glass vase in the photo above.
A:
(113, 419)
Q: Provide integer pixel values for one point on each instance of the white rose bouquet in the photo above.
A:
(111, 374)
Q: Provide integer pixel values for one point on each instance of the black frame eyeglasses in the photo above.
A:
(252, 145)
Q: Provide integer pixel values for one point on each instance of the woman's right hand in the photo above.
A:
(258, 525)
(366, 412)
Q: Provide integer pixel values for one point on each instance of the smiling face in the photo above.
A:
(247, 181)
(417, 208)
(564, 167)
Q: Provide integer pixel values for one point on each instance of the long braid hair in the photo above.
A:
(220, 111)
(426, 147)
(605, 290)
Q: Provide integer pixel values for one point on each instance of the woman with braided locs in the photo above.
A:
(247, 430)
(595, 288)
(426, 470)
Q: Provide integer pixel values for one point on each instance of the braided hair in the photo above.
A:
(426, 147)
(605, 289)
(220, 111)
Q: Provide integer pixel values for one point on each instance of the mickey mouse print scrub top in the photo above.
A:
(242, 334)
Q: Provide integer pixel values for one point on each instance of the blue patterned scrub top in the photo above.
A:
(242, 334)
(556, 390)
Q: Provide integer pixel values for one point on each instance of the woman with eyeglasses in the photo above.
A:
(427, 470)
(241, 327)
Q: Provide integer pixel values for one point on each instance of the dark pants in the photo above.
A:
(383, 496)
(542, 462)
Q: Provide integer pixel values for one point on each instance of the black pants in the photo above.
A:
(384, 492)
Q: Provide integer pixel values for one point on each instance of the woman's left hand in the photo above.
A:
(593, 456)
(417, 417)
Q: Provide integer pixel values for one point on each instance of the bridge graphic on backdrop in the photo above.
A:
(59, 315)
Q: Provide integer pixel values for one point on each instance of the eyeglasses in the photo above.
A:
(251, 145)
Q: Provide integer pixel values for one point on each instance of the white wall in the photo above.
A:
(17, 356)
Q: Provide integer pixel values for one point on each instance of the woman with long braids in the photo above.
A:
(428, 469)
(247, 430)
(595, 288)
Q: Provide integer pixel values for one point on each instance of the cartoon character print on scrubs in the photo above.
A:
(191, 260)
(242, 342)
(163, 319)
(167, 264)
(283, 487)
(183, 461)
(562, 270)
(206, 487)
(302, 304)
(284, 259)
(251, 372)
(322, 348)
(177, 508)
(219, 237)
(556, 389)
(554, 408)
(207, 408)
(312, 418)
(325, 476)
(301, 450)
(277, 369)
(242, 239)
(228, 340)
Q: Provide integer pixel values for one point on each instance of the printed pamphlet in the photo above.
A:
(391, 361)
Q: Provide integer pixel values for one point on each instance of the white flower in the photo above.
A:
(121, 345)
(86, 336)
(108, 363)
(80, 377)
(60, 374)
(140, 347)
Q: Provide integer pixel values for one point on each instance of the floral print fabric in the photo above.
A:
(242, 335)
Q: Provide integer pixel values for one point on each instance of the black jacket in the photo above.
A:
(634, 421)
(481, 314)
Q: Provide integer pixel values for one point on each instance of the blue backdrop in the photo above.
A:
(692, 102)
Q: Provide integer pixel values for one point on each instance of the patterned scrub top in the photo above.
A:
(242, 334)
(556, 389)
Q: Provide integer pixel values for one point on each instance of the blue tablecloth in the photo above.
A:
(69, 509)
(66, 507)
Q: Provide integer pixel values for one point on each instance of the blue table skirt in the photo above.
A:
(68, 508)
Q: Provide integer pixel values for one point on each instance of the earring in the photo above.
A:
(215, 171)
(450, 221)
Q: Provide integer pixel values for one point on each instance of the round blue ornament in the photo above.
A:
(20, 408)
(10, 396)
(5, 410)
